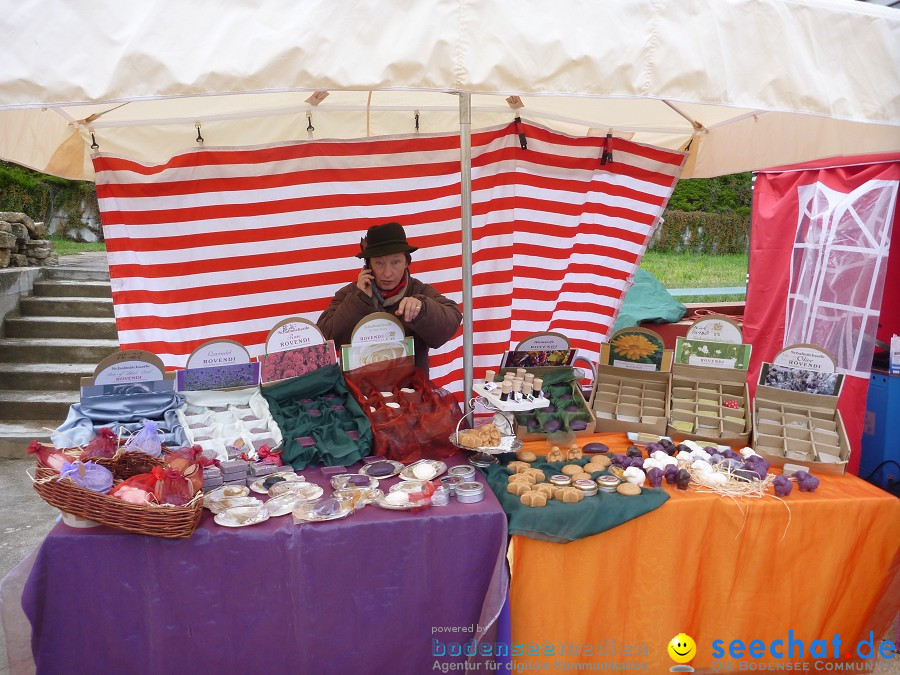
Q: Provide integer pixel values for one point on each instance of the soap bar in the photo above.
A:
(379, 469)
(686, 427)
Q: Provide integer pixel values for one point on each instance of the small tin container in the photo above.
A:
(587, 486)
(449, 483)
(560, 480)
(440, 497)
(469, 493)
(607, 483)
(465, 473)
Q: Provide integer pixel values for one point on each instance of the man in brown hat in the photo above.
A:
(385, 285)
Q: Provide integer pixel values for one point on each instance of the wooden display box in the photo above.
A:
(523, 434)
(698, 397)
(630, 400)
(800, 428)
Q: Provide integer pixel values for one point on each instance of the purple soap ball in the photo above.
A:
(636, 462)
(683, 479)
(730, 454)
(572, 408)
(681, 447)
(552, 425)
(578, 425)
(671, 473)
(655, 476)
(806, 481)
(633, 451)
(666, 443)
(710, 449)
(531, 423)
(596, 447)
(654, 447)
(617, 459)
(782, 486)
(549, 409)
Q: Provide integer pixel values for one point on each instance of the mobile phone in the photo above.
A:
(366, 264)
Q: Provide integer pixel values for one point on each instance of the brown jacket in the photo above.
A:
(435, 325)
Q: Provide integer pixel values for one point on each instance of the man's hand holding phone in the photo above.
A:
(364, 281)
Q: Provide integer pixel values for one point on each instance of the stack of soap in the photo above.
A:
(212, 478)
(234, 471)
(258, 469)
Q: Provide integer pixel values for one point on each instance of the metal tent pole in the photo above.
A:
(465, 141)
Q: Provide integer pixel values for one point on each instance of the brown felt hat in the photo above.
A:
(383, 240)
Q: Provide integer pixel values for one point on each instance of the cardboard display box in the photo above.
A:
(795, 416)
(800, 428)
(630, 400)
(631, 389)
(699, 394)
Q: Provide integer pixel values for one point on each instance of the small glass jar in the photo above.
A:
(469, 493)
(450, 482)
(587, 486)
(608, 483)
(560, 480)
(465, 473)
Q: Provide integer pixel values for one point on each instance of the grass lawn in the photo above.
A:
(683, 270)
(66, 247)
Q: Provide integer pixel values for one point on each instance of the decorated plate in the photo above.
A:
(394, 503)
(398, 467)
(407, 486)
(242, 516)
(302, 490)
(218, 506)
(307, 512)
(283, 504)
(226, 491)
(424, 469)
(507, 444)
(289, 477)
(358, 497)
(344, 480)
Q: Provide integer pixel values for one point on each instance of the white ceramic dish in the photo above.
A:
(433, 469)
(242, 516)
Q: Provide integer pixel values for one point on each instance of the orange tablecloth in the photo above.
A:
(713, 568)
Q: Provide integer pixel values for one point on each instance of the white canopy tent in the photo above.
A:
(740, 84)
(746, 84)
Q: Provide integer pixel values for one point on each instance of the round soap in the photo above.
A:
(397, 498)
(578, 425)
(424, 471)
(595, 447)
(271, 480)
(378, 469)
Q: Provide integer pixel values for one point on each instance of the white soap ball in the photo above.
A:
(700, 454)
(397, 498)
(715, 478)
(660, 456)
(650, 463)
(424, 471)
(683, 456)
(747, 452)
(635, 475)
(692, 445)
(702, 466)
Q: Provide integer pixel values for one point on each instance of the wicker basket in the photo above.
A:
(171, 522)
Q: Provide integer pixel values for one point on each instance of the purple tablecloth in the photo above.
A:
(366, 594)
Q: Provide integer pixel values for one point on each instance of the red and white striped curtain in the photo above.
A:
(225, 242)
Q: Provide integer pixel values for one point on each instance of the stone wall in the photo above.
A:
(22, 243)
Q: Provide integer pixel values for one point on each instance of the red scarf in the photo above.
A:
(394, 291)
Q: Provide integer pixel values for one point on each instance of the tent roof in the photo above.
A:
(745, 84)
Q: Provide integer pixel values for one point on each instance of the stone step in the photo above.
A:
(67, 306)
(41, 376)
(75, 274)
(61, 327)
(59, 288)
(46, 350)
(15, 436)
(36, 405)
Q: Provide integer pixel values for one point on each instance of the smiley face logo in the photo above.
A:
(682, 648)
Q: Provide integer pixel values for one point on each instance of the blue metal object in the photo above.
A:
(880, 459)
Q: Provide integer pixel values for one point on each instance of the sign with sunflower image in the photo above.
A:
(638, 349)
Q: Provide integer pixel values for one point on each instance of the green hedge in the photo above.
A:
(41, 196)
(698, 232)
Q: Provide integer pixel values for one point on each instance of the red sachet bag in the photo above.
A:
(136, 490)
(171, 487)
(103, 446)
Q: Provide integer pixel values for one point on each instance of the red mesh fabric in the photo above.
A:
(423, 423)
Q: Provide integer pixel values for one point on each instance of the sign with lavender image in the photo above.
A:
(218, 377)
(800, 379)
